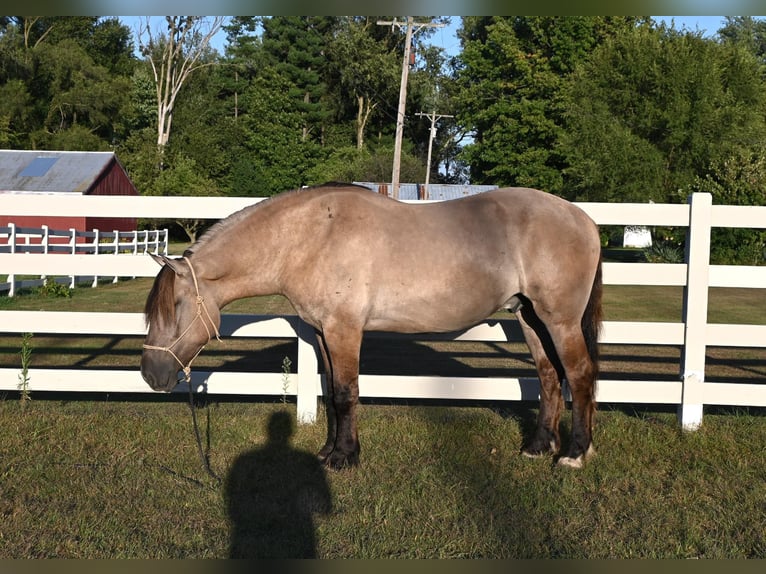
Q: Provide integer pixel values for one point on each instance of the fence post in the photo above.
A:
(46, 241)
(12, 242)
(116, 250)
(308, 367)
(72, 284)
(96, 240)
(695, 305)
(135, 245)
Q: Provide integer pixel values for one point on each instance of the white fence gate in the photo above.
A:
(690, 391)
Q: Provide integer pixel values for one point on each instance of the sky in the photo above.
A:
(446, 38)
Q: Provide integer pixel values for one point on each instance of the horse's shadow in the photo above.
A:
(272, 494)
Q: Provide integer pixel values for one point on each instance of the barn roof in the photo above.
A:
(52, 171)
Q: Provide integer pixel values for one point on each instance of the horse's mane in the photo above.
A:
(160, 304)
(238, 216)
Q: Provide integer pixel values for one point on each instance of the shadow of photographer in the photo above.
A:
(272, 494)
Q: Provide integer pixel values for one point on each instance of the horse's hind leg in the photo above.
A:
(546, 439)
(580, 374)
(340, 350)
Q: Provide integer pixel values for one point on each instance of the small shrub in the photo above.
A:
(26, 359)
(664, 252)
(53, 289)
(286, 364)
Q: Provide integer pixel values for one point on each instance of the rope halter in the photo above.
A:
(201, 309)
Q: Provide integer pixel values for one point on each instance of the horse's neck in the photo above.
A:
(243, 260)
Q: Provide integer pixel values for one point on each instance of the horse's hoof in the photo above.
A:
(533, 451)
(576, 462)
(336, 461)
(534, 454)
(570, 462)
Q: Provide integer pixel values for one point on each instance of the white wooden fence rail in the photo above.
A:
(15, 240)
(690, 391)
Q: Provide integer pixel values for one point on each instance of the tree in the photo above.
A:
(654, 108)
(364, 68)
(173, 55)
(738, 178)
(511, 74)
(77, 92)
(207, 128)
(60, 72)
(296, 47)
(184, 178)
(272, 130)
(747, 32)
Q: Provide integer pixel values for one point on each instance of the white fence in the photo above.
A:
(690, 391)
(15, 239)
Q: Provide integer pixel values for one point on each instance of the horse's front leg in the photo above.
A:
(341, 353)
(329, 444)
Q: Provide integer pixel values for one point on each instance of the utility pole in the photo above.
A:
(434, 118)
(408, 25)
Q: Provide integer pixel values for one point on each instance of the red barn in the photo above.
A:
(65, 172)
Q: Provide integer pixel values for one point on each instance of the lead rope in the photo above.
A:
(204, 456)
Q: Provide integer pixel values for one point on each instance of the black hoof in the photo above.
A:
(339, 461)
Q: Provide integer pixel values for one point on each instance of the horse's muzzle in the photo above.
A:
(159, 374)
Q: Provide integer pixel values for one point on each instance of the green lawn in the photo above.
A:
(102, 479)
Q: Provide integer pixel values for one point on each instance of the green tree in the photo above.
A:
(364, 71)
(511, 73)
(747, 32)
(295, 46)
(208, 129)
(272, 132)
(739, 178)
(373, 165)
(60, 72)
(183, 177)
(652, 109)
(79, 92)
(430, 90)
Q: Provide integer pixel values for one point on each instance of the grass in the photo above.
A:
(119, 477)
(85, 479)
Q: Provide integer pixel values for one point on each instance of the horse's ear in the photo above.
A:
(160, 259)
(163, 260)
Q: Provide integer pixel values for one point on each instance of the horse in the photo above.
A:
(350, 260)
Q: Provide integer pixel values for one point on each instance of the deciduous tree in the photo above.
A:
(173, 54)
(654, 108)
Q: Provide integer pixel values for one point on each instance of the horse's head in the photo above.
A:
(182, 316)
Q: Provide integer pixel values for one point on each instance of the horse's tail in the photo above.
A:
(592, 319)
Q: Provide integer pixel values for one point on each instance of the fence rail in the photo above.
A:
(690, 390)
(15, 239)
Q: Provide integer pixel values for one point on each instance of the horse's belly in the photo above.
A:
(411, 313)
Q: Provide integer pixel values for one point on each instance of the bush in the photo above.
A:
(51, 288)
(664, 252)
(740, 179)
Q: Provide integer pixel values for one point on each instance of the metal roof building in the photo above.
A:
(65, 172)
(435, 190)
